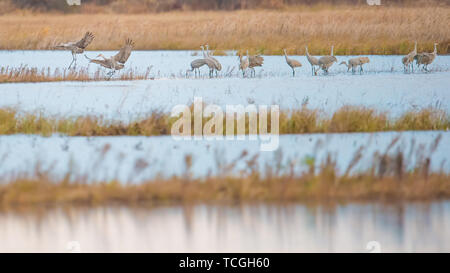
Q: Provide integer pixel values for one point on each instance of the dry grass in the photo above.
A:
(348, 119)
(26, 74)
(389, 179)
(353, 30)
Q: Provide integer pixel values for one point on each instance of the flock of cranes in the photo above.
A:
(423, 59)
(112, 63)
(249, 62)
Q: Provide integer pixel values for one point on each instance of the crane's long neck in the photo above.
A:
(101, 55)
(285, 55)
(415, 48)
(345, 63)
(307, 53)
(203, 51)
(207, 51)
(332, 49)
(435, 49)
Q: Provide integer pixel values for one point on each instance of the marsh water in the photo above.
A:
(247, 228)
(138, 159)
(383, 86)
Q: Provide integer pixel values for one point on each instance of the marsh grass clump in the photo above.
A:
(347, 119)
(357, 119)
(27, 74)
(426, 119)
(303, 120)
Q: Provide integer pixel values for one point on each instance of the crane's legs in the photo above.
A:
(314, 71)
(74, 60)
(110, 74)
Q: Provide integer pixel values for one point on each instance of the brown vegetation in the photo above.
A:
(352, 29)
(391, 177)
(148, 6)
(348, 119)
(25, 74)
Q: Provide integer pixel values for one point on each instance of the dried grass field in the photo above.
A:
(353, 30)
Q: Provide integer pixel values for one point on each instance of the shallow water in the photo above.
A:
(249, 228)
(379, 88)
(169, 63)
(136, 159)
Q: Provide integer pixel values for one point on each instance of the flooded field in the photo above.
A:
(263, 227)
(120, 158)
(410, 227)
(383, 86)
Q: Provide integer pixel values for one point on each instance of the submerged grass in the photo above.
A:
(26, 74)
(391, 177)
(348, 119)
(352, 29)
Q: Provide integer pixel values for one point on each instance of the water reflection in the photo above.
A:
(249, 228)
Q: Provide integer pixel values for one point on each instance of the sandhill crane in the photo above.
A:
(426, 58)
(254, 61)
(214, 65)
(354, 62)
(77, 47)
(292, 63)
(312, 60)
(409, 59)
(196, 64)
(216, 62)
(117, 61)
(243, 63)
(326, 62)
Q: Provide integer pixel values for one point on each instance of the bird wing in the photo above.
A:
(65, 46)
(256, 60)
(325, 60)
(103, 63)
(124, 52)
(313, 60)
(296, 63)
(364, 60)
(87, 39)
(425, 58)
(198, 63)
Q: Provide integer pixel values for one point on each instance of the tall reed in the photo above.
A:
(390, 177)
